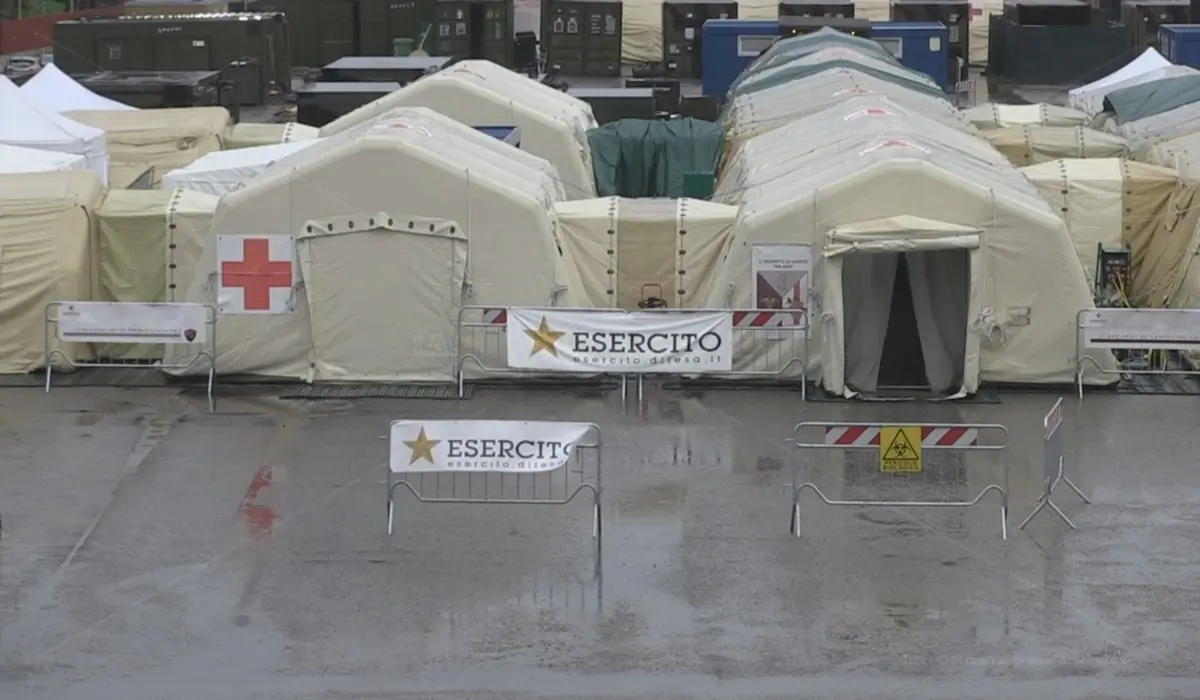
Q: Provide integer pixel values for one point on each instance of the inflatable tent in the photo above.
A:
(553, 126)
(46, 238)
(997, 116)
(382, 222)
(139, 234)
(1107, 201)
(224, 171)
(23, 123)
(56, 91)
(165, 139)
(247, 135)
(1030, 144)
(1181, 153)
(15, 159)
(628, 249)
(923, 245)
(1092, 101)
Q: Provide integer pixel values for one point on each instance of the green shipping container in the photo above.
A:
(249, 49)
(584, 37)
(475, 29)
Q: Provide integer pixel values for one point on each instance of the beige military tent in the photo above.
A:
(246, 134)
(139, 236)
(1181, 153)
(1107, 201)
(382, 222)
(1030, 144)
(998, 116)
(163, 138)
(626, 250)
(45, 244)
(992, 277)
(553, 126)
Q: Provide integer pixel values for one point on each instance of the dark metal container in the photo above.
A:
(816, 8)
(1143, 18)
(683, 22)
(156, 89)
(317, 104)
(583, 37)
(382, 69)
(612, 104)
(475, 29)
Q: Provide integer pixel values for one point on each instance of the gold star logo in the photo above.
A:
(422, 448)
(544, 339)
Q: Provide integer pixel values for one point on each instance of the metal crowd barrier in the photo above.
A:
(209, 352)
(899, 443)
(780, 342)
(1141, 339)
(553, 488)
(1053, 447)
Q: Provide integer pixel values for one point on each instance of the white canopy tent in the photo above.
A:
(1087, 97)
(220, 172)
(26, 124)
(55, 90)
(15, 159)
(553, 126)
(383, 219)
(993, 281)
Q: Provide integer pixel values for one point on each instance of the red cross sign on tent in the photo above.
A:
(256, 274)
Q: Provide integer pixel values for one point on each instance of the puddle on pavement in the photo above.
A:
(651, 501)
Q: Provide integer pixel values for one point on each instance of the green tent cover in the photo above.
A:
(649, 158)
(1140, 101)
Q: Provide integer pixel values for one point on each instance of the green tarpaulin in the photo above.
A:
(1140, 101)
(649, 158)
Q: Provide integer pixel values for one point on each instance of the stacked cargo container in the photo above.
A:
(583, 37)
(682, 23)
(475, 29)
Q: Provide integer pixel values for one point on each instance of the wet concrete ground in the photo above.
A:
(152, 550)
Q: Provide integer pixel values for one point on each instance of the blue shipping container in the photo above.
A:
(730, 45)
(920, 46)
(1180, 44)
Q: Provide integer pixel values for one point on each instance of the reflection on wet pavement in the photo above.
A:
(151, 548)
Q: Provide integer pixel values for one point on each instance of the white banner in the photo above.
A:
(132, 322)
(1141, 329)
(583, 341)
(483, 445)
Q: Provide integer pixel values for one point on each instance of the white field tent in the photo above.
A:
(1147, 67)
(224, 171)
(628, 249)
(24, 123)
(1108, 201)
(15, 159)
(471, 92)
(163, 138)
(382, 219)
(1164, 126)
(248, 134)
(139, 234)
(54, 90)
(1030, 144)
(46, 225)
(997, 116)
(1181, 153)
(994, 281)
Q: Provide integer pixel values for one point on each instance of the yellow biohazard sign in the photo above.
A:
(900, 448)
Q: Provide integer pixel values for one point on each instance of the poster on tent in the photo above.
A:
(782, 276)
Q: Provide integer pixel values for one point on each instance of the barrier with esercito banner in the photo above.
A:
(1053, 469)
(1141, 339)
(489, 462)
(901, 453)
(132, 323)
(729, 344)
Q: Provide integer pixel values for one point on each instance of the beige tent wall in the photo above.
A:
(164, 138)
(981, 11)
(46, 222)
(998, 116)
(622, 248)
(134, 232)
(246, 135)
(1106, 201)
(1030, 144)
(1166, 272)
(1181, 153)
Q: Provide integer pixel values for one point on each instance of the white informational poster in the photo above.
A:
(782, 276)
(483, 445)
(256, 274)
(131, 322)
(584, 341)
(1141, 329)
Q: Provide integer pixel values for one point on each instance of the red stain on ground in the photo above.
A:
(259, 518)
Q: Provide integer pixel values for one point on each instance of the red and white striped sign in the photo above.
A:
(1053, 419)
(868, 436)
(767, 319)
(495, 317)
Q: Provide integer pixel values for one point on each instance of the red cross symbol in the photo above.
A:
(256, 275)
